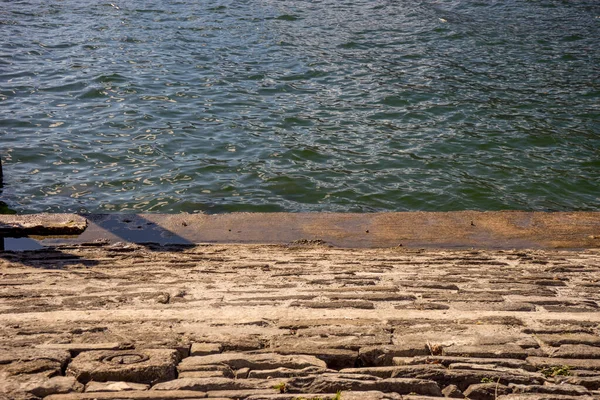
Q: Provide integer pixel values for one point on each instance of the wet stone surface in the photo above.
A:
(285, 323)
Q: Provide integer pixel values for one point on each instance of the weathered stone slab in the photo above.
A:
(545, 362)
(141, 395)
(207, 374)
(486, 391)
(286, 372)
(310, 323)
(452, 391)
(496, 306)
(464, 378)
(542, 396)
(329, 383)
(422, 305)
(8, 356)
(447, 361)
(346, 342)
(365, 305)
(549, 388)
(113, 386)
(47, 367)
(204, 349)
(370, 395)
(239, 394)
(388, 372)
(384, 355)
(375, 330)
(570, 338)
(481, 367)
(589, 382)
(212, 384)
(139, 366)
(257, 361)
(370, 296)
(207, 371)
(334, 358)
(576, 351)
(79, 347)
(54, 385)
(485, 351)
(42, 224)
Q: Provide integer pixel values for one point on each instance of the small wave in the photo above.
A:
(287, 17)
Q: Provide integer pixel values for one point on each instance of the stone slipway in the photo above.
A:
(510, 229)
(99, 316)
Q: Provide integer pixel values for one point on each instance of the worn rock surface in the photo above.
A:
(255, 322)
(141, 366)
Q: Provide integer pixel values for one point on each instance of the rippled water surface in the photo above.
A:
(281, 105)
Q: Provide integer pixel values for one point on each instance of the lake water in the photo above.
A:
(280, 105)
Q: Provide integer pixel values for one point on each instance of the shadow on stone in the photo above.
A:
(42, 257)
(137, 229)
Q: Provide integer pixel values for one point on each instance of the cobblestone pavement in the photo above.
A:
(304, 321)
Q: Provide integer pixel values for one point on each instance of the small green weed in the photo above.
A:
(281, 387)
(338, 396)
(487, 380)
(558, 370)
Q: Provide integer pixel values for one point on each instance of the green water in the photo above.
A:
(324, 105)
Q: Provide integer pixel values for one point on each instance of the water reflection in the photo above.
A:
(301, 105)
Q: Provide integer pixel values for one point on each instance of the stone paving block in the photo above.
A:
(54, 385)
(212, 384)
(346, 342)
(422, 305)
(139, 366)
(344, 330)
(304, 323)
(483, 351)
(256, 361)
(47, 367)
(384, 355)
(545, 362)
(207, 371)
(114, 386)
(203, 349)
(570, 309)
(481, 367)
(575, 351)
(590, 383)
(453, 391)
(239, 394)
(497, 306)
(206, 374)
(361, 304)
(486, 391)
(447, 361)
(79, 347)
(380, 372)
(329, 383)
(370, 296)
(141, 395)
(542, 396)
(464, 378)
(334, 358)
(8, 356)
(570, 338)
(549, 388)
(286, 372)
(370, 395)
(242, 373)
